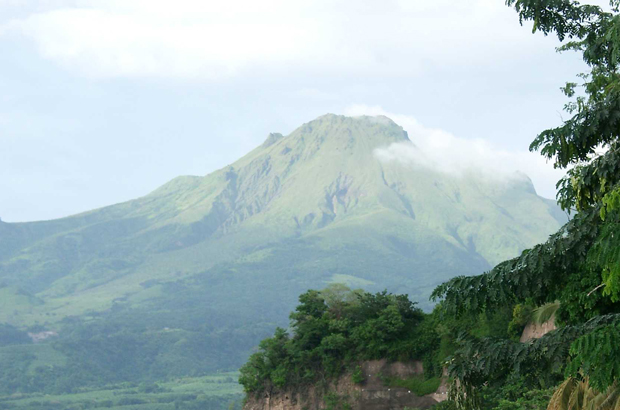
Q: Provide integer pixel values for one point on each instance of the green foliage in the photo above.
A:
(206, 393)
(539, 364)
(14, 375)
(611, 202)
(531, 399)
(328, 338)
(564, 17)
(334, 401)
(521, 316)
(538, 275)
(164, 274)
(605, 255)
(445, 405)
(10, 335)
(358, 375)
(566, 274)
(597, 355)
(514, 393)
(418, 385)
(545, 312)
(594, 123)
(128, 345)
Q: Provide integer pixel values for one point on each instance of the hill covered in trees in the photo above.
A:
(573, 277)
(188, 279)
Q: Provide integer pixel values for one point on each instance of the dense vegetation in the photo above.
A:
(10, 335)
(150, 290)
(166, 285)
(578, 268)
(124, 345)
(573, 277)
(203, 393)
(175, 274)
(335, 329)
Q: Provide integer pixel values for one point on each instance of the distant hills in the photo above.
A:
(198, 271)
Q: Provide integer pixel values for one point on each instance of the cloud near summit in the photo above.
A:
(444, 152)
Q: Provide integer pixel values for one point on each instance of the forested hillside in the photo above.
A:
(188, 279)
(578, 269)
(572, 279)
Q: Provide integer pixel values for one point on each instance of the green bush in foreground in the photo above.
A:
(332, 331)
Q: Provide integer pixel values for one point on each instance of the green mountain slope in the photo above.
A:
(208, 265)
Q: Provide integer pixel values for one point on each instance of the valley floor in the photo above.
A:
(220, 391)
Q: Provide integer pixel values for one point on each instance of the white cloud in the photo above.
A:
(210, 39)
(101, 43)
(444, 152)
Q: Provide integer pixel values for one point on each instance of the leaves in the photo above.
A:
(545, 312)
(597, 355)
(580, 259)
(540, 362)
(564, 17)
(576, 394)
(334, 329)
(595, 121)
(538, 274)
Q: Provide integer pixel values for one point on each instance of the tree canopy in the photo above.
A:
(334, 329)
(579, 266)
(574, 276)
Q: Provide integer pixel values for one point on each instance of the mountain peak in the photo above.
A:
(372, 131)
(360, 120)
(313, 207)
(340, 131)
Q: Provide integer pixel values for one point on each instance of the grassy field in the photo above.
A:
(220, 391)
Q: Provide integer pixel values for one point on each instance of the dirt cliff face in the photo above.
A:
(368, 395)
(536, 331)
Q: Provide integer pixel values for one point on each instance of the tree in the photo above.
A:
(333, 330)
(580, 265)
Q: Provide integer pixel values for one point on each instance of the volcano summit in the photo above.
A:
(210, 265)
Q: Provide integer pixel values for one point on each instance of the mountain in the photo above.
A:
(202, 268)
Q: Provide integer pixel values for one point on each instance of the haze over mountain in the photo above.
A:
(216, 262)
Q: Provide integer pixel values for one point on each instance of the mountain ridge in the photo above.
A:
(228, 253)
(209, 208)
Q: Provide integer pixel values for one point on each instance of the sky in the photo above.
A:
(102, 101)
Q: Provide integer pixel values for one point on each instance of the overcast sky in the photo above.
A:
(102, 101)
